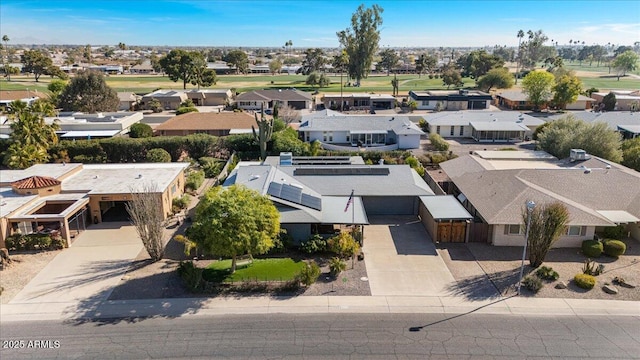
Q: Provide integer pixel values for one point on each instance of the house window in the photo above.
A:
(461, 130)
(451, 131)
(425, 102)
(348, 138)
(324, 136)
(330, 136)
(576, 230)
(514, 229)
(438, 129)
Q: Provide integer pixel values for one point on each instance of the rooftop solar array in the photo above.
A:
(323, 160)
(294, 194)
(342, 171)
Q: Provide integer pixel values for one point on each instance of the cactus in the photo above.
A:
(263, 135)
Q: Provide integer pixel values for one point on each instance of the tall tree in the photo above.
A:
(451, 76)
(234, 221)
(317, 79)
(534, 49)
(201, 76)
(627, 61)
(56, 87)
(145, 211)
(519, 55)
(631, 153)
(361, 40)
(566, 91)
(537, 85)
(275, 66)
(88, 92)
(30, 136)
(388, 59)
(86, 53)
(425, 62)
(479, 62)
(239, 60)
(547, 223)
(314, 61)
(496, 78)
(6, 65)
(183, 65)
(36, 62)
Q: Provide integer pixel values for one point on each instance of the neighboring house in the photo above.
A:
(626, 100)
(221, 68)
(625, 122)
(80, 126)
(319, 195)
(26, 96)
(128, 100)
(108, 69)
(144, 68)
(451, 99)
(517, 100)
(257, 99)
(359, 101)
(483, 126)
(212, 123)
(169, 99)
(495, 185)
(210, 97)
(66, 198)
(387, 132)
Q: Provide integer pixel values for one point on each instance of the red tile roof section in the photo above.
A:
(35, 182)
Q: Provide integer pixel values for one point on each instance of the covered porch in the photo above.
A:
(496, 131)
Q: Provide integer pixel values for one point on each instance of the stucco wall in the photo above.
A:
(298, 232)
(408, 141)
(500, 239)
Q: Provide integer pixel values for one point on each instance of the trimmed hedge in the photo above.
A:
(592, 248)
(585, 281)
(614, 232)
(614, 248)
(19, 242)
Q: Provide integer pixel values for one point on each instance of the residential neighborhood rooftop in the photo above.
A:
(209, 121)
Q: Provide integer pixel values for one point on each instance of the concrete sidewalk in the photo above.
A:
(184, 307)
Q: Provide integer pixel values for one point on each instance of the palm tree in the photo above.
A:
(520, 36)
(7, 71)
(288, 45)
(30, 136)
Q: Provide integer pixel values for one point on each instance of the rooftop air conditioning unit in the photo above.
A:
(578, 155)
(286, 159)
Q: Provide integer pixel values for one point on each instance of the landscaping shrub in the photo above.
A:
(547, 273)
(19, 242)
(336, 266)
(158, 156)
(592, 248)
(585, 281)
(413, 162)
(315, 244)
(532, 283)
(191, 275)
(309, 273)
(281, 243)
(614, 248)
(184, 109)
(211, 166)
(343, 245)
(180, 203)
(202, 145)
(194, 180)
(590, 268)
(614, 232)
(140, 130)
(438, 142)
(155, 106)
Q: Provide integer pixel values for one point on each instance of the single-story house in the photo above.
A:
(359, 101)
(451, 99)
(128, 100)
(212, 123)
(169, 99)
(384, 131)
(66, 198)
(625, 122)
(210, 97)
(257, 99)
(144, 68)
(316, 195)
(626, 100)
(495, 185)
(517, 100)
(26, 96)
(483, 126)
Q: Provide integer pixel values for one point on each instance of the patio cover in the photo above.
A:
(618, 216)
(445, 208)
(89, 133)
(497, 126)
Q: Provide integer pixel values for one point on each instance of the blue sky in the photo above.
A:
(313, 23)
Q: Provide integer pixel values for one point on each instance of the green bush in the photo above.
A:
(211, 166)
(19, 242)
(590, 268)
(187, 103)
(585, 281)
(183, 110)
(438, 142)
(532, 283)
(309, 273)
(191, 275)
(180, 203)
(336, 266)
(592, 248)
(158, 156)
(140, 130)
(155, 106)
(614, 248)
(614, 232)
(315, 244)
(343, 245)
(547, 273)
(194, 180)
(281, 243)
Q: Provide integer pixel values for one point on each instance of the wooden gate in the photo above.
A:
(452, 231)
(479, 232)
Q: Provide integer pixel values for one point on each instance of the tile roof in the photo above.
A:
(209, 121)
(35, 182)
(275, 94)
(21, 94)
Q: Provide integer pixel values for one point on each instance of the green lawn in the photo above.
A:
(611, 83)
(276, 269)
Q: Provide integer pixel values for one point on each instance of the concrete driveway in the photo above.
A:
(89, 269)
(402, 260)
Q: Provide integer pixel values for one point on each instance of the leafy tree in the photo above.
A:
(275, 66)
(451, 76)
(314, 61)
(506, 54)
(56, 87)
(89, 93)
(317, 79)
(496, 78)
(86, 53)
(234, 221)
(533, 50)
(631, 153)
(201, 76)
(478, 63)
(145, 210)
(627, 61)
(537, 85)
(609, 101)
(30, 136)
(188, 66)
(140, 130)
(388, 60)
(263, 135)
(547, 224)
(361, 40)
(425, 62)
(619, 50)
(155, 106)
(288, 141)
(155, 63)
(568, 133)
(158, 155)
(186, 109)
(566, 91)
(239, 60)
(36, 62)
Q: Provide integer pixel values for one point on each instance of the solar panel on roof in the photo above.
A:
(311, 201)
(342, 171)
(294, 194)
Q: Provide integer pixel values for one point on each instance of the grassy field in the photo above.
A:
(280, 269)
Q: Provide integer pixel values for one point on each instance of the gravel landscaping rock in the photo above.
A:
(610, 289)
(23, 268)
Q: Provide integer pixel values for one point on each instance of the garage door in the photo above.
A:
(114, 211)
(390, 205)
(298, 105)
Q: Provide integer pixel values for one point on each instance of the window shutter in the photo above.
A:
(583, 231)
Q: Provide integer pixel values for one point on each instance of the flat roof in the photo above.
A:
(51, 170)
(514, 155)
(497, 126)
(630, 128)
(10, 201)
(89, 133)
(445, 207)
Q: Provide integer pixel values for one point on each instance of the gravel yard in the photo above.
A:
(24, 267)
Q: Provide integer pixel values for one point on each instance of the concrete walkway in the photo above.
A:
(401, 259)
(91, 268)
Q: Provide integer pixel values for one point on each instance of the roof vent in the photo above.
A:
(286, 159)
(254, 177)
(139, 176)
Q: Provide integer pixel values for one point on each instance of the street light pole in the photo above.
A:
(530, 206)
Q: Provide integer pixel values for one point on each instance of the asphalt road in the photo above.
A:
(339, 336)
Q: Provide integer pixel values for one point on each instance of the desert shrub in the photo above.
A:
(343, 245)
(532, 283)
(191, 275)
(315, 244)
(424, 126)
(183, 110)
(585, 281)
(188, 244)
(592, 248)
(309, 273)
(413, 162)
(438, 158)
(614, 248)
(155, 106)
(140, 130)
(194, 180)
(592, 268)
(20, 242)
(211, 166)
(614, 232)
(336, 266)
(187, 103)
(158, 156)
(180, 203)
(438, 142)
(547, 273)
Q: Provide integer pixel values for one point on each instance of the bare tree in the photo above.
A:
(145, 209)
(289, 115)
